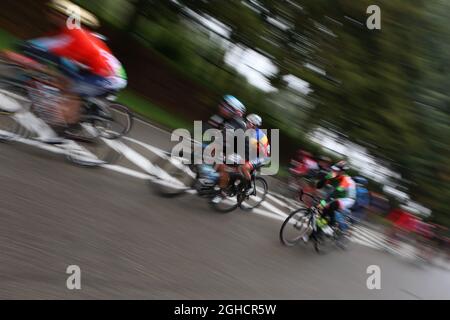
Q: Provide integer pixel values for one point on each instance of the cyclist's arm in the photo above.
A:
(324, 181)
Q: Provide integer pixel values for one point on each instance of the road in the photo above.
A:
(132, 244)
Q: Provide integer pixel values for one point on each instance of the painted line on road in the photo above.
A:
(279, 202)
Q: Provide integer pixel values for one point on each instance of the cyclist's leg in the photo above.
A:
(86, 84)
(345, 204)
(224, 176)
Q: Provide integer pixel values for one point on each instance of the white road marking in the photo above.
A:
(159, 152)
(273, 209)
(279, 202)
(129, 172)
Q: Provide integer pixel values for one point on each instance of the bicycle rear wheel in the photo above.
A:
(296, 225)
(323, 243)
(228, 203)
(253, 201)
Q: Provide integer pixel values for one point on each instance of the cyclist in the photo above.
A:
(362, 200)
(238, 168)
(343, 195)
(257, 146)
(303, 169)
(88, 65)
(304, 165)
(230, 116)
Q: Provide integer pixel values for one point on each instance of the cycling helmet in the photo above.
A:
(340, 166)
(234, 159)
(231, 105)
(68, 8)
(255, 120)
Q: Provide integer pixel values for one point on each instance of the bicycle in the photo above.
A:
(179, 178)
(30, 101)
(308, 222)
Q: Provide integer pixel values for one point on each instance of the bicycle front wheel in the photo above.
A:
(118, 125)
(296, 225)
(88, 149)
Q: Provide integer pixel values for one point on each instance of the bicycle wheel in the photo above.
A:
(228, 203)
(258, 196)
(323, 243)
(296, 225)
(118, 123)
(88, 149)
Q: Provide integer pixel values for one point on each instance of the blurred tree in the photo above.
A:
(385, 88)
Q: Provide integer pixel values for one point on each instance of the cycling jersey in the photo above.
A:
(344, 186)
(82, 57)
(85, 48)
(260, 142)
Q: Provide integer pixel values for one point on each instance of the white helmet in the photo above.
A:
(67, 8)
(255, 120)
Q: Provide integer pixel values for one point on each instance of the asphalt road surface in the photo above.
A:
(132, 244)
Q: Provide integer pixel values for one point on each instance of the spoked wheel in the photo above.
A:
(323, 243)
(175, 179)
(228, 203)
(117, 123)
(258, 196)
(297, 225)
(87, 148)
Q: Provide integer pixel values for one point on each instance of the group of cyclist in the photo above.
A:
(89, 69)
(231, 115)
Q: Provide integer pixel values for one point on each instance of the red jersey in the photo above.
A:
(85, 48)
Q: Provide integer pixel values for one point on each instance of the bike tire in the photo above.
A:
(247, 205)
(231, 202)
(120, 124)
(323, 244)
(301, 215)
(227, 208)
(92, 151)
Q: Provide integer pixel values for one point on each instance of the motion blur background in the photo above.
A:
(310, 67)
